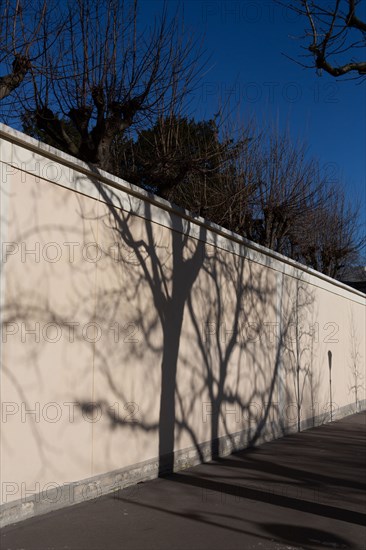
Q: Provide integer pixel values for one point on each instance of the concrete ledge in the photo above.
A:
(68, 494)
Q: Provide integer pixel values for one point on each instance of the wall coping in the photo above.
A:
(19, 138)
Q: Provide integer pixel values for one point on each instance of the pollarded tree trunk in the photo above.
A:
(11, 81)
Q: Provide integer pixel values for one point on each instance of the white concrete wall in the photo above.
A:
(134, 335)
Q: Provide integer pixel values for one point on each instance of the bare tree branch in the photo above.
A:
(20, 25)
(336, 34)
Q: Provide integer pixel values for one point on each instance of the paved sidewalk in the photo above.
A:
(304, 491)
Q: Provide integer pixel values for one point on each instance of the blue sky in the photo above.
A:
(246, 41)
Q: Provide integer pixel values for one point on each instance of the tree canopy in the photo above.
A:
(86, 78)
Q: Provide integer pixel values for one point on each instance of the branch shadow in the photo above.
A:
(206, 327)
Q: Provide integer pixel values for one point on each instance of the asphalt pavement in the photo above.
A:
(304, 491)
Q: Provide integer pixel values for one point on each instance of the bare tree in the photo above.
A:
(104, 74)
(336, 34)
(286, 181)
(14, 47)
(22, 28)
(326, 235)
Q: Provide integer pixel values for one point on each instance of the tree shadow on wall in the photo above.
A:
(206, 330)
(168, 273)
(222, 328)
